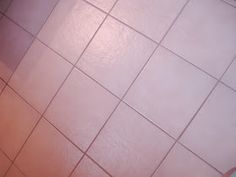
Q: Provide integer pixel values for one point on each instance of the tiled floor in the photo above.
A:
(121, 88)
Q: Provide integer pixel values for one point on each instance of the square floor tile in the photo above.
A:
(153, 18)
(129, 145)
(70, 27)
(204, 34)
(81, 108)
(14, 42)
(115, 56)
(47, 153)
(39, 75)
(105, 5)
(182, 163)
(4, 5)
(14, 172)
(4, 164)
(87, 168)
(2, 84)
(169, 91)
(16, 122)
(212, 134)
(31, 15)
(230, 76)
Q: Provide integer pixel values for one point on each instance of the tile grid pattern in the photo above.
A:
(121, 100)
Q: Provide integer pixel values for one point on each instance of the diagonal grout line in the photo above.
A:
(228, 3)
(19, 169)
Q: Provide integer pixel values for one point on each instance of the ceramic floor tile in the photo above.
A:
(212, 134)
(105, 5)
(182, 163)
(4, 5)
(15, 126)
(47, 153)
(129, 145)
(87, 168)
(230, 76)
(2, 84)
(31, 15)
(14, 42)
(169, 91)
(231, 2)
(153, 18)
(115, 56)
(81, 108)
(70, 27)
(14, 172)
(204, 34)
(4, 164)
(39, 75)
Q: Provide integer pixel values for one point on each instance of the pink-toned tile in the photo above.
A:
(87, 168)
(115, 56)
(16, 122)
(14, 172)
(212, 134)
(129, 145)
(31, 15)
(14, 42)
(39, 75)
(80, 109)
(182, 163)
(105, 5)
(231, 2)
(153, 18)
(47, 153)
(70, 27)
(230, 76)
(2, 84)
(169, 91)
(204, 34)
(4, 164)
(4, 5)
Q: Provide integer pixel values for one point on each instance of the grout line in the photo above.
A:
(19, 169)
(5, 10)
(98, 8)
(231, 88)
(228, 3)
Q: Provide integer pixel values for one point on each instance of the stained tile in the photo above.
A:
(15, 126)
(169, 91)
(70, 27)
(105, 5)
(115, 56)
(14, 172)
(2, 84)
(153, 18)
(182, 163)
(14, 42)
(31, 15)
(81, 108)
(230, 76)
(39, 75)
(204, 34)
(212, 134)
(129, 145)
(87, 168)
(47, 153)
(4, 5)
(4, 164)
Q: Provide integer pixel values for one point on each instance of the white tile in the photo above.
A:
(230, 76)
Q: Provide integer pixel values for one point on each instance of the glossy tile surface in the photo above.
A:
(70, 27)
(105, 5)
(129, 145)
(153, 18)
(230, 76)
(115, 56)
(47, 153)
(212, 134)
(4, 4)
(31, 15)
(16, 122)
(14, 42)
(87, 168)
(165, 91)
(39, 75)
(205, 35)
(182, 163)
(81, 108)
(4, 164)
(14, 172)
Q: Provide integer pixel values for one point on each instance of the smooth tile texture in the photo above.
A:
(205, 35)
(87, 168)
(84, 105)
(31, 15)
(14, 172)
(4, 164)
(47, 153)
(212, 134)
(16, 122)
(115, 56)
(182, 163)
(70, 27)
(4, 5)
(169, 91)
(39, 75)
(105, 5)
(230, 76)
(153, 18)
(14, 42)
(129, 145)
(231, 2)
